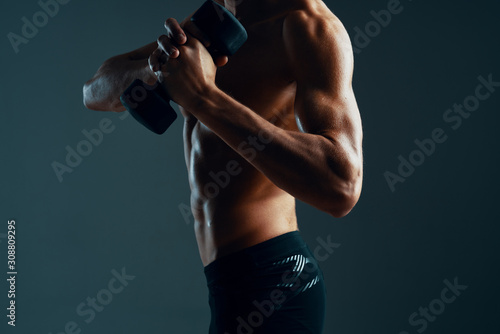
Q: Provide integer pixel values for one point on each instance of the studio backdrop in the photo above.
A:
(95, 212)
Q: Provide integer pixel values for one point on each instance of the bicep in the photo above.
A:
(320, 55)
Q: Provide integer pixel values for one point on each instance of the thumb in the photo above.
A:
(221, 61)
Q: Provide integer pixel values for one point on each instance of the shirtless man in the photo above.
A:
(282, 117)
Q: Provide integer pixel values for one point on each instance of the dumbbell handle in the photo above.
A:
(149, 105)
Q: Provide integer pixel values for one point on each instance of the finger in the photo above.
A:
(157, 59)
(221, 61)
(165, 44)
(159, 76)
(193, 30)
(154, 60)
(174, 31)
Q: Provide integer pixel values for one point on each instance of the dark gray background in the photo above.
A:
(119, 207)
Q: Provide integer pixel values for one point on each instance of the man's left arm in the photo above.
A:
(322, 164)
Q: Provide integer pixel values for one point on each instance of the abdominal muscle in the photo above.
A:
(247, 209)
(234, 205)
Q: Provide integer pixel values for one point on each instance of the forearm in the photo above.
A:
(313, 168)
(103, 91)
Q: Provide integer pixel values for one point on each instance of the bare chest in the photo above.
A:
(257, 76)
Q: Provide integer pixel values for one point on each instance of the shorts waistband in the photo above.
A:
(247, 258)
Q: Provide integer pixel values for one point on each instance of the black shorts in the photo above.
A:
(273, 287)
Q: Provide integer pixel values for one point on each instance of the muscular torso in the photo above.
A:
(234, 205)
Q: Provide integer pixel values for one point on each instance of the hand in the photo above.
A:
(187, 77)
(176, 34)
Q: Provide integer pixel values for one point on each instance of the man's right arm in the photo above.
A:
(103, 91)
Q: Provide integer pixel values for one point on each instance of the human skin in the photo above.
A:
(279, 118)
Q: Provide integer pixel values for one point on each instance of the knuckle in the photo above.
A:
(170, 21)
(171, 25)
(163, 39)
(183, 49)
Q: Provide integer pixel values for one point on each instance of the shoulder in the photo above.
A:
(311, 21)
(309, 14)
(315, 39)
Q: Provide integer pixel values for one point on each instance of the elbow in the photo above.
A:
(344, 204)
(91, 102)
(88, 101)
(96, 94)
(345, 197)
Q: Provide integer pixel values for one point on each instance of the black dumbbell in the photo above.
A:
(149, 105)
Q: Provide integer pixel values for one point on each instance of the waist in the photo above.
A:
(248, 259)
(223, 230)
